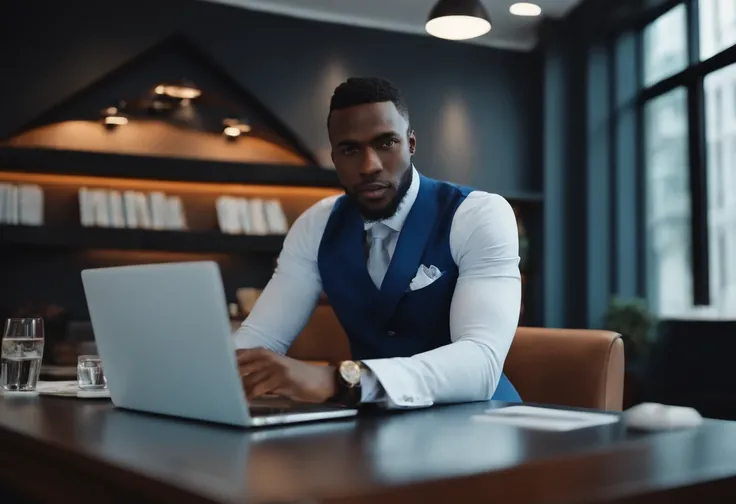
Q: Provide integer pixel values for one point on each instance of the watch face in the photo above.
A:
(350, 372)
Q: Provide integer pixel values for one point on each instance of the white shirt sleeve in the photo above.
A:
(484, 314)
(288, 300)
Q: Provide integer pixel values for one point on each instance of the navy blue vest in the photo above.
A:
(396, 322)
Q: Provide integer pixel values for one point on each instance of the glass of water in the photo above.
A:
(22, 351)
(89, 373)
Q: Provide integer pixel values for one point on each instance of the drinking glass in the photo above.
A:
(22, 351)
(89, 373)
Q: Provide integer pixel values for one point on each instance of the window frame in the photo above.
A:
(692, 78)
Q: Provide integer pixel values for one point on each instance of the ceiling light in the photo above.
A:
(239, 124)
(231, 132)
(525, 9)
(112, 118)
(458, 20)
(235, 127)
(183, 90)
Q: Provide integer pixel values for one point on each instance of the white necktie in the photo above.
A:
(378, 256)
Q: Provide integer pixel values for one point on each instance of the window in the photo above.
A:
(721, 176)
(665, 45)
(688, 140)
(668, 235)
(714, 130)
(724, 277)
(717, 23)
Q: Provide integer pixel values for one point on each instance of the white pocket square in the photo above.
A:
(425, 276)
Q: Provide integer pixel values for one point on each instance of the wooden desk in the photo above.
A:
(65, 450)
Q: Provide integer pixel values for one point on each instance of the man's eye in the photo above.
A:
(387, 144)
(347, 151)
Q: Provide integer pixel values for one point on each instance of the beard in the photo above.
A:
(371, 215)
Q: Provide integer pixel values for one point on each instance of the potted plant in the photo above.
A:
(632, 319)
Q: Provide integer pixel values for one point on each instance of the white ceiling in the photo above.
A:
(409, 16)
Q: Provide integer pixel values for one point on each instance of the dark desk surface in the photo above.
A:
(63, 449)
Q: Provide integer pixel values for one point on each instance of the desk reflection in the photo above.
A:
(319, 460)
(326, 459)
(223, 462)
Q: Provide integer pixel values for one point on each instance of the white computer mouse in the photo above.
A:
(655, 416)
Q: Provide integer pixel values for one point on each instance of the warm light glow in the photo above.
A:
(238, 124)
(116, 120)
(232, 131)
(113, 118)
(170, 186)
(153, 137)
(457, 27)
(525, 9)
(182, 92)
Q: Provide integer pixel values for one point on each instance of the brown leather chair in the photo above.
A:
(568, 367)
(552, 366)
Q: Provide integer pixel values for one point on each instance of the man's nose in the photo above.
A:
(371, 163)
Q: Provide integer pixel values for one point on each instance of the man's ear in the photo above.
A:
(412, 142)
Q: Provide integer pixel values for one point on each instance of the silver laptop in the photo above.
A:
(164, 337)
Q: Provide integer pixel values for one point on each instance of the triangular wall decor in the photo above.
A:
(194, 131)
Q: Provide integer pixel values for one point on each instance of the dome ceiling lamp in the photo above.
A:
(525, 9)
(458, 20)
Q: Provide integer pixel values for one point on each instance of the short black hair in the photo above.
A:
(362, 90)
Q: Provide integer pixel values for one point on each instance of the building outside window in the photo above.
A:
(665, 46)
(667, 163)
(717, 20)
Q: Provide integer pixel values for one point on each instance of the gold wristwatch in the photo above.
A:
(347, 383)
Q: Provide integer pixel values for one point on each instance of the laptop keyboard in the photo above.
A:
(262, 411)
(268, 407)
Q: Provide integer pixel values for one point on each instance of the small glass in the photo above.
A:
(22, 352)
(89, 373)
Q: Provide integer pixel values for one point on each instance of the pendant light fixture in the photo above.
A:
(458, 20)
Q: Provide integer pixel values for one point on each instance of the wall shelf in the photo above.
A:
(137, 239)
(245, 260)
(66, 162)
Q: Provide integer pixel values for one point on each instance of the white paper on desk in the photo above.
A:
(550, 419)
(69, 389)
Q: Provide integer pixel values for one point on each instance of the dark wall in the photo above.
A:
(691, 364)
(474, 108)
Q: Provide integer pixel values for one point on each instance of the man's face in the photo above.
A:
(372, 148)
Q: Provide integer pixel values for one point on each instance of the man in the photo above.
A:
(422, 275)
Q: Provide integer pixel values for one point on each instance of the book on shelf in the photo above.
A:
(131, 209)
(21, 204)
(254, 216)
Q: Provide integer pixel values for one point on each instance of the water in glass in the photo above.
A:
(22, 351)
(89, 373)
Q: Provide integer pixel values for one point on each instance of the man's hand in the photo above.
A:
(266, 372)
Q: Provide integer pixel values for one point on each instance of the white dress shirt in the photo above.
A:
(484, 312)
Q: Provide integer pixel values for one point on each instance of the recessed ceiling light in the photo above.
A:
(525, 9)
(458, 20)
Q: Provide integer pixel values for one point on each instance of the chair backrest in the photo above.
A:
(568, 367)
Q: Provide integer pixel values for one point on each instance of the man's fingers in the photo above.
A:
(251, 354)
(254, 366)
(253, 379)
(266, 386)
